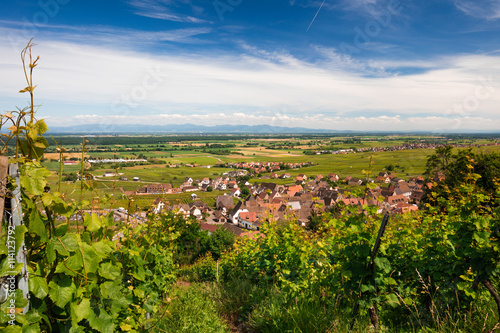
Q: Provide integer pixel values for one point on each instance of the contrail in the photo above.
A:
(316, 15)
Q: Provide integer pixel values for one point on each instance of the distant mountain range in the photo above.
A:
(103, 129)
(185, 129)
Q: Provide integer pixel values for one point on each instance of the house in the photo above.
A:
(158, 188)
(303, 176)
(263, 196)
(249, 220)
(417, 196)
(195, 211)
(264, 187)
(190, 188)
(237, 231)
(188, 180)
(395, 199)
(285, 176)
(141, 190)
(309, 186)
(182, 210)
(219, 217)
(384, 179)
(235, 192)
(224, 201)
(333, 177)
(354, 182)
(233, 216)
(158, 206)
(208, 227)
(136, 179)
(294, 205)
(403, 207)
(404, 188)
(295, 189)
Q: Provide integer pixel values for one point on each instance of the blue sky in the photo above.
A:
(361, 65)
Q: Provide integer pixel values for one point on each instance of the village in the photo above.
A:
(246, 206)
(246, 193)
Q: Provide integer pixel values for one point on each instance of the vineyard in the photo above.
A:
(436, 270)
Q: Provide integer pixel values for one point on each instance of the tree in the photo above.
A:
(439, 161)
(456, 169)
(245, 192)
(188, 245)
(218, 242)
(71, 177)
(315, 222)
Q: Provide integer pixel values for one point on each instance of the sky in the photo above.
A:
(362, 65)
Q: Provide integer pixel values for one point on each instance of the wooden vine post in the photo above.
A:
(11, 207)
(372, 311)
(4, 167)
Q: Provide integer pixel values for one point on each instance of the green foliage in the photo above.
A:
(457, 167)
(188, 246)
(191, 310)
(430, 265)
(218, 242)
(203, 270)
(245, 192)
(286, 255)
(89, 282)
(212, 248)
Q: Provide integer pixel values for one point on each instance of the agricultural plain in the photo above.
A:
(172, 158)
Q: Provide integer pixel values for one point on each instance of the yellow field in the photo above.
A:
(66, 156)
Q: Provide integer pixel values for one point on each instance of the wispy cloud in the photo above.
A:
(329, 92)
(370, 8)
(164, 10)
(102, 35)
(485, 9)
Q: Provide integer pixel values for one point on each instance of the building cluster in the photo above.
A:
(421, 145)
(116, 160)
(263, 167)
(222, 183)
(406, 146)
(300, 200)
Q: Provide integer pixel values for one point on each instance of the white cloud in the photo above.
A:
(111, 37)
(211, 89)
(485, 9)
(164, 10)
